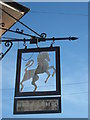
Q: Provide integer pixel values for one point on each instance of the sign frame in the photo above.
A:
(58, 75)
(37, 112)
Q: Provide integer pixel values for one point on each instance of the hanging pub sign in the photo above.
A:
(38, 72)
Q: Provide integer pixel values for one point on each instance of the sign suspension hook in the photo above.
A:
(37, 43)
(52, 42)
(24, 44)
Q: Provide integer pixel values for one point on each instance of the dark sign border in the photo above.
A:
(58, 84)
(37, 112)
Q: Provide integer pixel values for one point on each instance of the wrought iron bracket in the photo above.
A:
(9, 45)
(33, 40)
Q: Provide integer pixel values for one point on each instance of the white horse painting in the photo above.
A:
(42, 67)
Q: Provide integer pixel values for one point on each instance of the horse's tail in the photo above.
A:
(29, 64)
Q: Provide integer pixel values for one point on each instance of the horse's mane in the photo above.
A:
(42, 56)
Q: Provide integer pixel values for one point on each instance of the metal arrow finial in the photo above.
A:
(73, 38)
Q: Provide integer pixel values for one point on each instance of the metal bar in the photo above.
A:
(18, 32)
(34, 41)
(21, 22)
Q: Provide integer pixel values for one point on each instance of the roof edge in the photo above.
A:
(17, 6)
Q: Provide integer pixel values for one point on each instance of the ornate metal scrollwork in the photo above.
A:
(2, 24)
(9, 45)
(19, 31)
(43, 35)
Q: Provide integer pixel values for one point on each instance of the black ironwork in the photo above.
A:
(43, 35)
(33, 40)
(24, 44)
(17, 31)
(20, 22)
(2, 24)
(52, 43)
(9, 45)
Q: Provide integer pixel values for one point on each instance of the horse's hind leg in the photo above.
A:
(22, 86)
(35, 78)
(48, 76)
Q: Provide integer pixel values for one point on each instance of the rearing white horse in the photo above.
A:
(42, 67)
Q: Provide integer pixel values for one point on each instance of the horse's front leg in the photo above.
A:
(48, 76)
(52, 67)
(54, 71)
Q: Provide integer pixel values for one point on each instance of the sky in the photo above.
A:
(56, 20)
